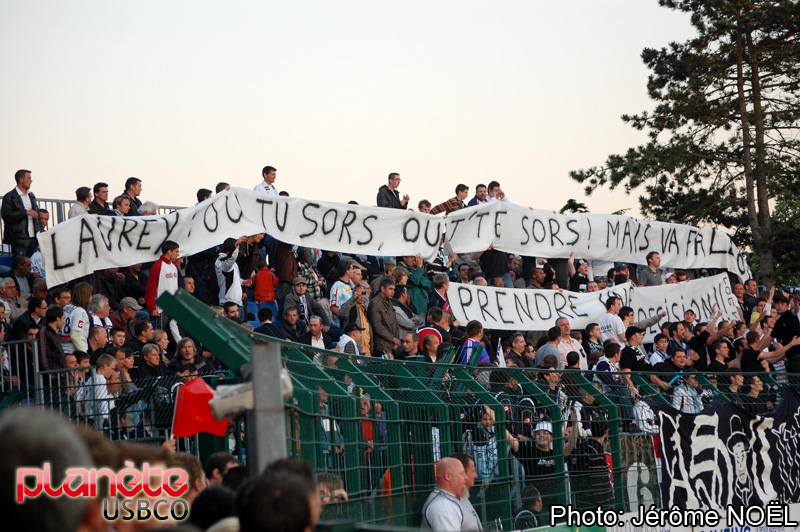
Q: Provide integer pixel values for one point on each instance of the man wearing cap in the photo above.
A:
(125, 316)
(306, 305)
(445, 510)
(650, 276)
(686, 398)
(538, 458)
(621, 274)
(635, 359)
(350, 339)
(690, 316)
(578, 274)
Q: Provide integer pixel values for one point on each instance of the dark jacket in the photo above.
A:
(96, 208)
(314, 307)
(306, 339)
(203, 366)
(29, 277)
(144, 371)
(21, 325)
(51, 352)
(110, 286)
(294, 334)
(327, 267)
(15, 219)
(389, 198)
(117, 320)
(384, 324)
(135, 286)
(134, 344)
(268, 329)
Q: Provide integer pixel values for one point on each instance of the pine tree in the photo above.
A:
(723, 138)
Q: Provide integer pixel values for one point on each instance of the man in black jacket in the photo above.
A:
(100, 203)
(37, 309)
(292, 327)
(389, 197)
(267, 328)
(51, 352)
(186, 353)
(20, 214)
(144, 334)
(149, 364)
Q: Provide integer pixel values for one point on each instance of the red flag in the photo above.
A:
(193, 413)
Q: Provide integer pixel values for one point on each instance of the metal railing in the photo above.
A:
(59, 209)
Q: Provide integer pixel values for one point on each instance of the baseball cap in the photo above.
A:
(130, 302)
(350, 327)
(621, 267)
(544, 425)
(630, 331)
(299, 280)
(690, 309)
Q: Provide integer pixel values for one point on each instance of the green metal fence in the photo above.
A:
(397, 419)
(382, 426)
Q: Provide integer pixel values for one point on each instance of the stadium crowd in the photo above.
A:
(390, 307)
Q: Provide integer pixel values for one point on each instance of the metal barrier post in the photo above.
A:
(37, 376)
(266, 435)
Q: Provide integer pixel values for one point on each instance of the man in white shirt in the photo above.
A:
(495, 193)
(94, 394)
(610, 323)
(444, 510)
(568, 344)
(267, 186)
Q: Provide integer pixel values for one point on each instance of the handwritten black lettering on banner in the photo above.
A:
(537, 310)
(82, 245)
(542, 233)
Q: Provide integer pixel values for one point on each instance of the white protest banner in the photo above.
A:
(82, 245)
(518, 309)
(542, 233)
(513, 309)
(700, 295)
